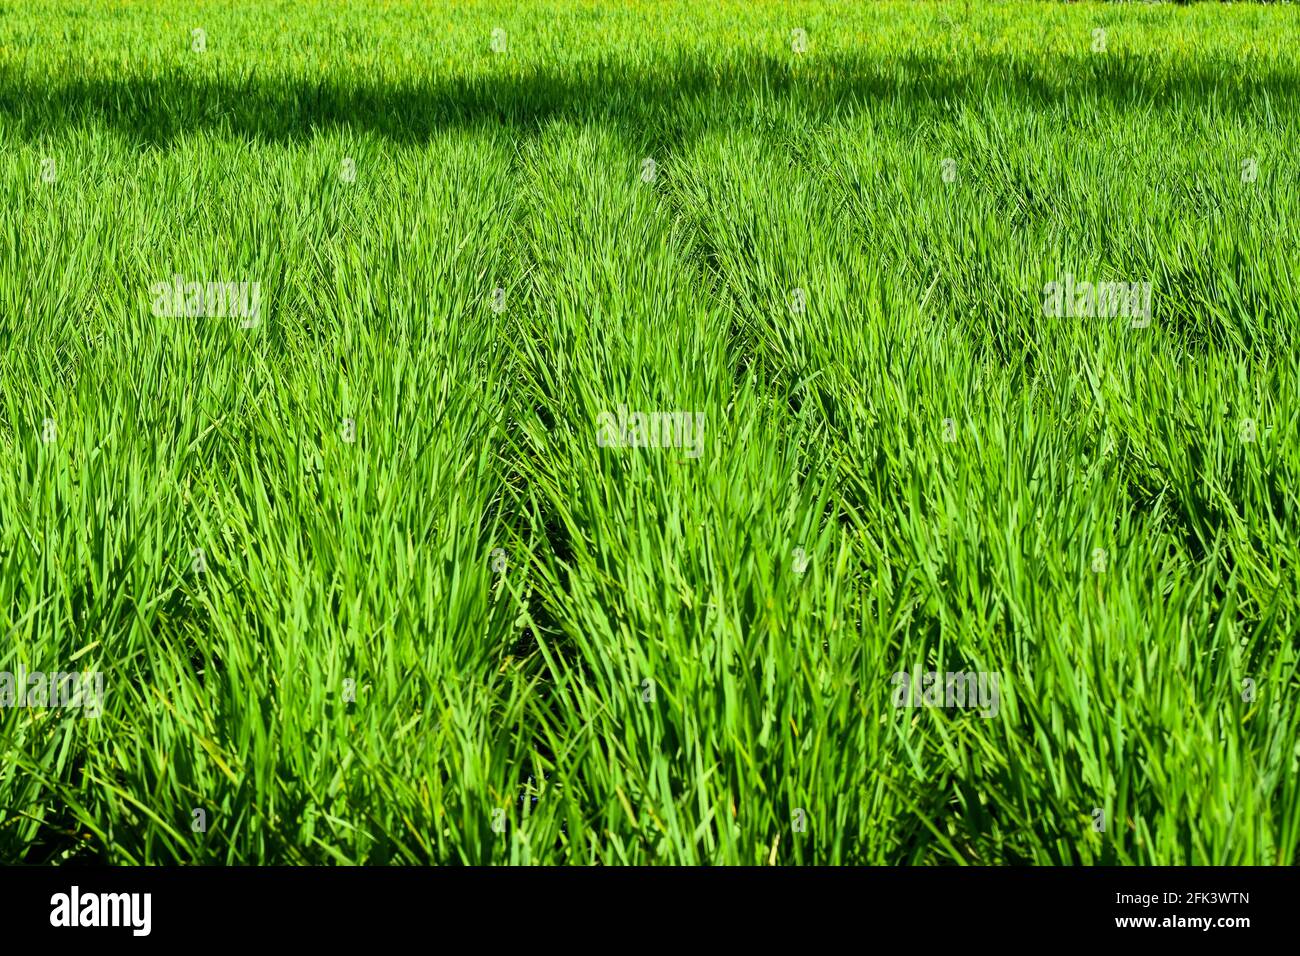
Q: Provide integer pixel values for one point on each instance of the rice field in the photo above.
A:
(616, 432)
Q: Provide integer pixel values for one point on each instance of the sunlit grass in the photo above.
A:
(684, 660)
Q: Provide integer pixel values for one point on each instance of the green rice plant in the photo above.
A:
(575, 432)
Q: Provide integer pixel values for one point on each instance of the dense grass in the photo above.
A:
(650, 679)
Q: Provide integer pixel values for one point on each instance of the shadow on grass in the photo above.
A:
(691, 91)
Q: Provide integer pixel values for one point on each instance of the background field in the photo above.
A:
(651, 679)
